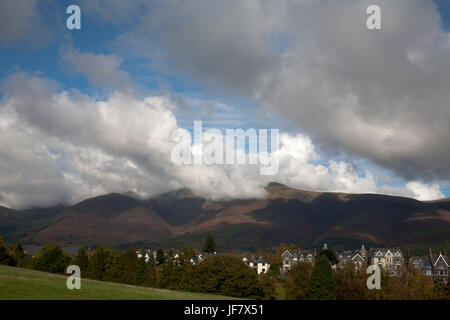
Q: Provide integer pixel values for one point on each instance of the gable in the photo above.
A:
(286, 252)
(358, 257)
(441, 259)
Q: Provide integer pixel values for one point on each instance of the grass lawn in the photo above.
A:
(26, 284)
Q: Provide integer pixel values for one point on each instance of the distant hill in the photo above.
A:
(285, 215)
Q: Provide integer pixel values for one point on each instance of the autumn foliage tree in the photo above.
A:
(297, 281)
(351, 283)
(412, 284)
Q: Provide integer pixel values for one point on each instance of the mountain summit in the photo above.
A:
(285, 215)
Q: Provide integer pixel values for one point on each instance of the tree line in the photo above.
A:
(226, 274)
(223, 274)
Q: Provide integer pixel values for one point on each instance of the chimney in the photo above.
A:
(430, 254)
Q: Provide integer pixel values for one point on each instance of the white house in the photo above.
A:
(260, 264)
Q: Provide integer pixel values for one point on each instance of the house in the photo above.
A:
(260, 264)
(357, 257)
(440, 266)
(197, 259)
(424, 264)
(289, 258)
(148, 254)
(390, 260)
(434, 266)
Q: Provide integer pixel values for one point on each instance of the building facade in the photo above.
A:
(260, 264)
(391, 260)
(436, 266)
(290, 258)
(359, 258)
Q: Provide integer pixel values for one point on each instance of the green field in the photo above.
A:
(26, 284)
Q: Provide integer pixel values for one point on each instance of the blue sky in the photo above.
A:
(231, 107)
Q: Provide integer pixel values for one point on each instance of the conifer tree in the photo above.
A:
(82, 260)
(210, 244)
(19, 255)
(99, 264)
(322, 283)
(140, 274)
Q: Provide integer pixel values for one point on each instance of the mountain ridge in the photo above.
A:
(285, 214)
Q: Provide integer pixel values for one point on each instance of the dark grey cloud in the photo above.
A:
(102, 70)
(23, 20)
(381, 95)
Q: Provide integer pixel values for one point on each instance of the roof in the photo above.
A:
(440, 257)
(383, 251)
(256, 260)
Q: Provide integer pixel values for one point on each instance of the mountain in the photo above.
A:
(284, 215)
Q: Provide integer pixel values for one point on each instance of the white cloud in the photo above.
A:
(423, 191)
(65, 146)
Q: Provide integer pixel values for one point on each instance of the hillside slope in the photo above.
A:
(26, 284)
(284, 215)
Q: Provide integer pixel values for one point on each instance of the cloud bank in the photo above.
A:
(64, 146)
(381, 95)
(377, 95)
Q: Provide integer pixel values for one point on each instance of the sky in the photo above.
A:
(92, 111)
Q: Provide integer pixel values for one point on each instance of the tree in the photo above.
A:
(51, 259)
(186, 255)
(151, 258)
(151, 277)
(269, 285)
(330, 254)
(410, 285)
(140, 274)
(322, 282)
(82, 260)
(19, 255)
(281, 248)
(124, 266)
(226, 275)
(160, 257)
(297, 281)
(100, 264)
(442, 290)
(5, 258)
(351, 283)
(177, 277)
(210, 244)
